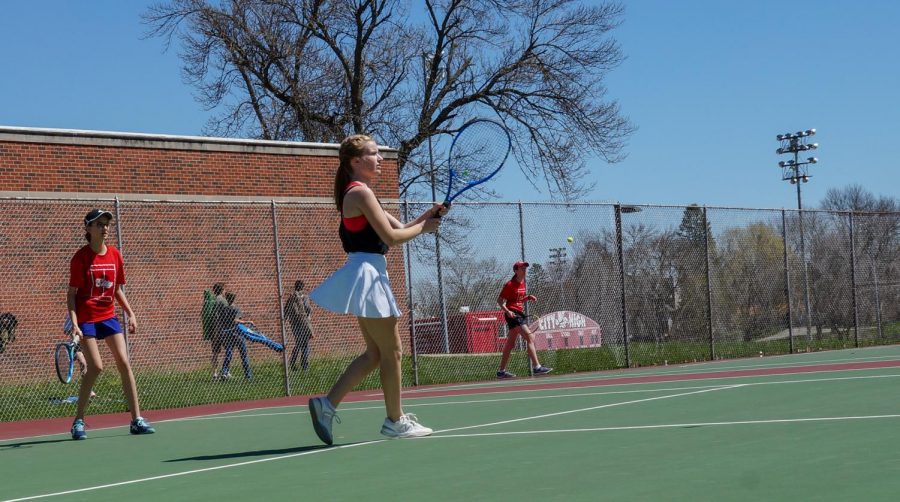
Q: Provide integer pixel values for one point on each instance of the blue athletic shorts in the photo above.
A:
(101, 329)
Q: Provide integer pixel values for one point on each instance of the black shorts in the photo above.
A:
(518, 319)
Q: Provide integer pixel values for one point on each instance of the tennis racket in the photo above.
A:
(478, 151)
(533, 317)
(64, 357)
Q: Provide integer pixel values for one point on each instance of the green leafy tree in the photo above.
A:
(750, 295)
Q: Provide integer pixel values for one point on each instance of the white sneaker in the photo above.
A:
(406, 427)
(322, 413)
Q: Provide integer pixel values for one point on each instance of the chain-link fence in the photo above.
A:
(634, 286)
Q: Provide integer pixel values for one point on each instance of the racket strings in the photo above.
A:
(478, 151)
(65, 361)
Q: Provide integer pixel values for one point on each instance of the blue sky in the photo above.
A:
(709, 84)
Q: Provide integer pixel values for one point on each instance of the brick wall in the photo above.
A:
(85, 162)
(176, 245)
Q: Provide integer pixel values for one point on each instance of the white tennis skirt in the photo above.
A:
(361, 287)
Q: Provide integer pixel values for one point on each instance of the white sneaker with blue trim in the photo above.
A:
(406, 427)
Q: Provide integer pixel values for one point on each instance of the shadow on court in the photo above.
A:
(257, 453)
(27, 444)
(21, 444)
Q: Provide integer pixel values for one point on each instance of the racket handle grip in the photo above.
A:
(446, 204)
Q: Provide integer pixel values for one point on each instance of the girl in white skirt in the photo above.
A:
(361, 287)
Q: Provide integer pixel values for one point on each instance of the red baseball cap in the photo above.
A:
(519, 264)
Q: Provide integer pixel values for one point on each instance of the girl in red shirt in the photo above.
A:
(512, 301)
(96, 272)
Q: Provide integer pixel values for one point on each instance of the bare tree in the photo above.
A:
(855, 197)
(316, 70)
(876, 236)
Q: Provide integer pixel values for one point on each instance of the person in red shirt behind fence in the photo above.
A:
(512, 301)
(96, 273)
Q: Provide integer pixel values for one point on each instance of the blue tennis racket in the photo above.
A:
(64, 357)
(478, 151)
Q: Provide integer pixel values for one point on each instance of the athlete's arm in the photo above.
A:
(76, 333)
(361, 200)
(132, 320)
(436, 209)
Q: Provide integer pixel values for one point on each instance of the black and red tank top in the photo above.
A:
(357, 235)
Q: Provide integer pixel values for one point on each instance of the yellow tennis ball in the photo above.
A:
(570, 239)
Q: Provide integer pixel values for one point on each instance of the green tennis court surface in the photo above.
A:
(820, 426)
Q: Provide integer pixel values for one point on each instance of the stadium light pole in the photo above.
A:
(558, 257)
(797, 172)
(619, 210)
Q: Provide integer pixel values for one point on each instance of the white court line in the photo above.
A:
(208, 469)
(531, 398)
(606, 383)
(195, 471)
(746, 422)
(679, 370)
(599, 407)
(446, 403)
(670, 426)
(552, 396)
(234, 414)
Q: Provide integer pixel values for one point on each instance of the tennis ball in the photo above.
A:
(570, 239)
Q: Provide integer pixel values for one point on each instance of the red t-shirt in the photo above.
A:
(514, 294)
(97, 278)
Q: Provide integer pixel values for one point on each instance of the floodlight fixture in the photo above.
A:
(795, 171)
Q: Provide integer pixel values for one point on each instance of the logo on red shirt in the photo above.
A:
(103, 277)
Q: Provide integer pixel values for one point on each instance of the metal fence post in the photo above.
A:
(409, 295)
(709, 323)
(440, 279)
(521, 233)
(853, 283)
(618, 213)
(284, 356)
(787, 283)
(805, 278)
(121, 241)
(522, 257)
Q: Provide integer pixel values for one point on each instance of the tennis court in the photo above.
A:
(814, 426)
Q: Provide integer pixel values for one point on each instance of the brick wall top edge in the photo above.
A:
(151, 197)
(169, 142)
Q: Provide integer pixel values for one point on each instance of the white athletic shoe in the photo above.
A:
(406, 427)
(322, 413)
